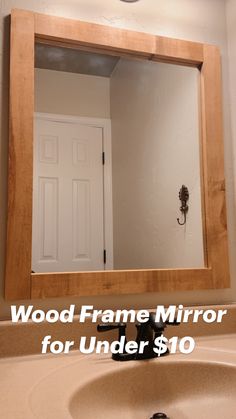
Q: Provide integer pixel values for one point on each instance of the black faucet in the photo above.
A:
(146, 332)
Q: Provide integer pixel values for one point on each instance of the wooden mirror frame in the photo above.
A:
(26, 29)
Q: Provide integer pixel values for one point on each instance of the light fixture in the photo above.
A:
(129, 1)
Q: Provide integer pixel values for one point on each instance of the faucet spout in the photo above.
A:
(148, 332)
(146, 335)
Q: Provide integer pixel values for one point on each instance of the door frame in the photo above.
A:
(105, 125)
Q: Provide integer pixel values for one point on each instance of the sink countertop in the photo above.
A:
(23, 377)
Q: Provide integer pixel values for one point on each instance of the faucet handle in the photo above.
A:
(122, 329)
(107, 327)
(174, 323)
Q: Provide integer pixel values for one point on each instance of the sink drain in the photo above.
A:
(159, 416)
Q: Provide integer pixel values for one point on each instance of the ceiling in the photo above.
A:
(74, 60)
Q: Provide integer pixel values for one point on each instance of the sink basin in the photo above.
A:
(201, 385)
(182, 390)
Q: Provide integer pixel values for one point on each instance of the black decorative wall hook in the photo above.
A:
(183, 197)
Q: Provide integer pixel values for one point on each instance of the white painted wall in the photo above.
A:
(197, 20)
(64, 93)
(155, 150)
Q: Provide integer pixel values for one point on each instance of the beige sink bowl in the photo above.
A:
(182, 390)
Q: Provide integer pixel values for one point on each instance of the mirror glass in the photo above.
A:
(114, 141)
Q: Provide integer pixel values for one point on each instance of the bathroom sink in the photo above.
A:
(182, 390)
(201, 385)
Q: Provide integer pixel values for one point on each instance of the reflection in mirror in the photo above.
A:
(115, 139)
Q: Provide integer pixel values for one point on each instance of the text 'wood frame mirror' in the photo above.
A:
(27, 28)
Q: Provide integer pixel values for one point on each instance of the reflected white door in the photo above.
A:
(68, 230)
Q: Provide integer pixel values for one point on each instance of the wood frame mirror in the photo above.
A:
(27, 28)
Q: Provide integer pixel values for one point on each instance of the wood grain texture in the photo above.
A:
(119, 282)
(76, 32)
(213, 167)
(20, 172)
(89, 36)
(178, 51)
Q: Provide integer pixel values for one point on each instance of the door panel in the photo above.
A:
(68, 230)
(48, 218)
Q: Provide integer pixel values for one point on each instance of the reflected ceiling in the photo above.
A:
(74, 60)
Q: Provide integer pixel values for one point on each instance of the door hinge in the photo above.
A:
(103, 157)
(104, 256)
